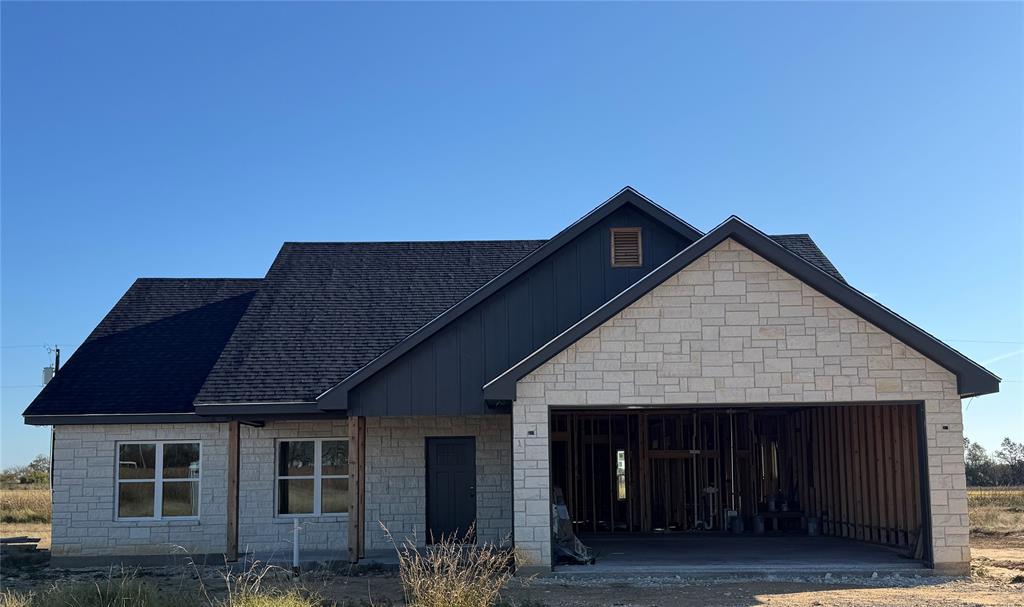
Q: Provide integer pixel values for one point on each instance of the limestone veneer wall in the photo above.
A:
(84, 525)
(396, 475)
(734, 328)
(260, 531)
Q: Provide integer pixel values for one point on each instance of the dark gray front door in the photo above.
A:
(451, 486)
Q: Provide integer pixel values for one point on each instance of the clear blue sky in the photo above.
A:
(192, 139)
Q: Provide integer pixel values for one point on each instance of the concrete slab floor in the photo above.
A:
(725, 554)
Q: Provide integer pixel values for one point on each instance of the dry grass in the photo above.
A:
(453, 572)
(118, 589)
(25, 505)
(996, 510)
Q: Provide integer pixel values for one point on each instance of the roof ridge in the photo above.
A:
(341, 242)
(220, 278)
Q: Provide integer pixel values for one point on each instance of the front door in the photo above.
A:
(451, 487)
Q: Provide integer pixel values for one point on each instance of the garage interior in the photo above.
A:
(818, 485)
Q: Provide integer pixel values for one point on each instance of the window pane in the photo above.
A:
(137, 461)
(335, 457)
(334, 495)
(296, 458)
(295, 497)
(181, 460)
(181, 499)
(135, 499)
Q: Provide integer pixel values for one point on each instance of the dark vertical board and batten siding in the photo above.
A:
(445, 374)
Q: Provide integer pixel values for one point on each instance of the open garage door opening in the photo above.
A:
(744, 484)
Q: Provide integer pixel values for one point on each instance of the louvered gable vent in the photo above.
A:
(626, 248)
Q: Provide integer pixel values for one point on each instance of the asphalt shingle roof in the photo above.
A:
(805, 247)
(327, 309)
(323, 311)
(152, 351)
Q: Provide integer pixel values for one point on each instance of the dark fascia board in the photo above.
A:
(304, 411)
(972, 378)
(257, 409)
(117, 418)
(336, 397)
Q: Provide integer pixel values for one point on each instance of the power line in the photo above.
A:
(986, 341)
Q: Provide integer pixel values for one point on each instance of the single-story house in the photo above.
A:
(664, 383)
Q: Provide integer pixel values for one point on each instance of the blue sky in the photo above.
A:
(192, 139)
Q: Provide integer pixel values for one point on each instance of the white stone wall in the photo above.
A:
(84, 460)
(260, 531)
(396, 475)
(734, 328)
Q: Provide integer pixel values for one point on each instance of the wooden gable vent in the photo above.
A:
(626, 248)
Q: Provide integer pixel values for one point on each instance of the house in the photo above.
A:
(667, 384)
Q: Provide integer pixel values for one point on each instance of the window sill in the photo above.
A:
(159, 522)
(282, 519)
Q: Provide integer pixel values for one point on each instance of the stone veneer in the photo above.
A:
(84, 524)
(396, 475)
(260, 531)
(734, 328)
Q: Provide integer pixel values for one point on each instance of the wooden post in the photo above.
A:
(233, 461)
(355, 483)
(357, 487)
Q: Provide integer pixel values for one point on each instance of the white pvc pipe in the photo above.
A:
(295, 545)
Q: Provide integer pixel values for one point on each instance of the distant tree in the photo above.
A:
(36, 472)
(1011, 459)
(981, 470)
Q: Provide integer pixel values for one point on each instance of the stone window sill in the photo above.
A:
(164, 522)
(283, 519)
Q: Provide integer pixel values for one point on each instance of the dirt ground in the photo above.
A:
(998, 560)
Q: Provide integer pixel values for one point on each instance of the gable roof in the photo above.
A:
(972, 378)
(150, 353)
(326, 309)
(336, 396)
(326, 313)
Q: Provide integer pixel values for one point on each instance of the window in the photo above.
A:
(312, 477)
(626, 248)
(158, 480)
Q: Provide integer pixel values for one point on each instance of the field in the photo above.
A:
(25, 511)
(997, 539)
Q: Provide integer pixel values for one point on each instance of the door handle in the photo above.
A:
(472, 491)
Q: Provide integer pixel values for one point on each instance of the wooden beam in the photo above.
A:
(356, 489)
(234, 431)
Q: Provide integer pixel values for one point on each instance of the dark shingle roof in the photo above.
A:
(805, 247)
(323, 311)
(327, 309)
(152, 351)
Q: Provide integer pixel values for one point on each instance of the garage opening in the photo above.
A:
(742, 483)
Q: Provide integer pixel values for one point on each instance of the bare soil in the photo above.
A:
(998, 559)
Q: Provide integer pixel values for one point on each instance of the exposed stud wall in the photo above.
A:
(734, 328)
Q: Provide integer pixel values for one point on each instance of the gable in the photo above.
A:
(445, 373)
(734, 328)
(971, 378)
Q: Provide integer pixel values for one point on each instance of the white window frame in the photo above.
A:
(158, 480)
(317, 477)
